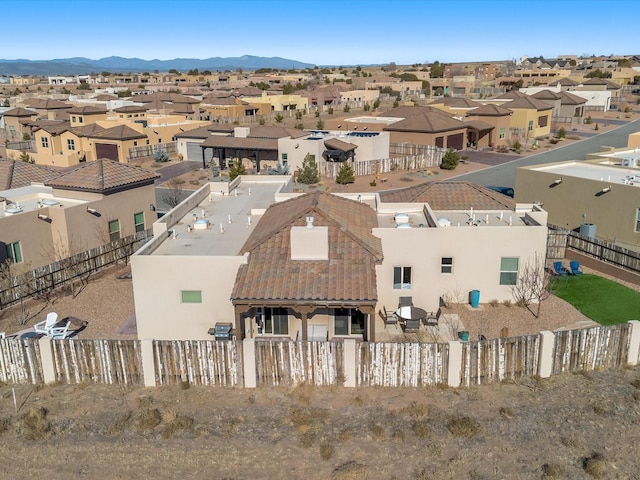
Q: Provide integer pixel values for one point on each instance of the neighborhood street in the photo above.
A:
(504, 174)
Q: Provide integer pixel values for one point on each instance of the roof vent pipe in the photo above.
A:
(309, 221)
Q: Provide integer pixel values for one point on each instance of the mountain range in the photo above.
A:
(84, 66)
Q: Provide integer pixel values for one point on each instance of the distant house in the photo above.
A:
(76, 209)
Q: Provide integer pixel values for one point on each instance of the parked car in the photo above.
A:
(508, 191)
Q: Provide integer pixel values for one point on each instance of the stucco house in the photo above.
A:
(279, 264)
(47, 214)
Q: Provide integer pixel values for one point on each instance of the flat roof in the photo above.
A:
(32, 198)
(453, 218)
(594, 171)
(221, 223)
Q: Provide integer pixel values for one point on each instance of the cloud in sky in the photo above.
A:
(321, 32)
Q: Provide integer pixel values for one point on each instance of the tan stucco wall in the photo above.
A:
(157, 284)
(634, 140)
(476, 253)
(522, 116)
(574, 202)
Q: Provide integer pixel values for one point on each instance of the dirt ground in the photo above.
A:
(572, 426)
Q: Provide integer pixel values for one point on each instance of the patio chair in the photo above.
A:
(45, 325)
(60, 332)
(389, 318)
(560, 269)
(405, 302)
(574, 265)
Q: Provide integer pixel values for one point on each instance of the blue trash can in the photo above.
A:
(475, 298)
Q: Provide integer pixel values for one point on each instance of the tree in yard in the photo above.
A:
(376, 104)
(278, 118)
(532, 285)
(173, 194)
(346, 108)
(396, 102)
(299, 126)
(330, 111)
(160, 156)
(25, 157)
(345, 174)
(236, 169)
(450, 160)
(562, 133)
(299, 115)
(320, 125)
(308, 173)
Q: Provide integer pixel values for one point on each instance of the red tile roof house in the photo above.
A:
(62, 199)
(321, 266)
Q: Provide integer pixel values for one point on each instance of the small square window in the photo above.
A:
(191, 296)
(402, 278)
(71, 144)
(45, 142)
(14, 252)
(446, 265)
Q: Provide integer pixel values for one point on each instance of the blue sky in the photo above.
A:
(325, 32)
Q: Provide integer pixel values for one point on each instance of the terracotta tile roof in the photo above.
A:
(240, 143)
(335, 144)
(511, 95)
(48, 104)
(53, 127)
(87, 110)
(219, 101)
(528, 102)
(206, 131)
(16, 174)
(119, 132)
(565, 82)
(451, 196)
(489, 110)
(602, 81)
(568, 98)
(20, 112)
(546, 95)
(248, 91)
(103, 176)
(457, 102)
(87, 130)
(347, 276)
(431, 122)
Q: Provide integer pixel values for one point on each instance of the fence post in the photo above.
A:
(634, 343)
(455, 363)
(545, 363)
(46, 357)
(148, 362)
(249, 362)
(350, 371)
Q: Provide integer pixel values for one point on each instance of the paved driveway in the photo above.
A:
(175, 170)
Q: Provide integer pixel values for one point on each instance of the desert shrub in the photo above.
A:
(372, 183)
(517, 146)
(507, 303)
(326, 451)
(596, 465)
(121, 423)
(417, 410)
(161, 156)
(175, 424)
(350, 471)
(376, 429)
(278, 118)
(307, 439)
(626, 110)
(463, 426)
(450, 160)
(506, 412)
(562, 133)
(553, 470)
(237, 169)
(636, 384)
(570, 442)
(494, 302)
(148, 420)
(421, 429)
(553, 141)
(588, 120)
(34, 424)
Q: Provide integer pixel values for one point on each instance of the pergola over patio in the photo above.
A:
(252, 146)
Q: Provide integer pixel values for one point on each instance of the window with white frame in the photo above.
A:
(530, 128)
(71, 144)
(14, 252)
(508, 270)
(138, 221)
(44, 141)
(402, 278)
(348, 321)
(446, 265)
(272, 321)
(114, 230)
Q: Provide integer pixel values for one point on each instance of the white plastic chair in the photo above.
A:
(45, 325)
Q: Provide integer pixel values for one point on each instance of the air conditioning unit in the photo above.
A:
(630, 162)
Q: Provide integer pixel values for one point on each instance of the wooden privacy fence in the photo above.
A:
(20, 361)
(290, 363)
(591, 348)
(266, 363)
(371, 167)
(143, 151)
(559, 239)
(42, 280)
(491, 361)
(402, 364)
(112, 362)
(199, 362)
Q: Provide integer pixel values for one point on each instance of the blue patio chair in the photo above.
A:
(574, 265)
(560, 269)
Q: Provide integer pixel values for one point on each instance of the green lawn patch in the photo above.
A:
(600, 299)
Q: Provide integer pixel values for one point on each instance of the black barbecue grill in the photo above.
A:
(222, 331)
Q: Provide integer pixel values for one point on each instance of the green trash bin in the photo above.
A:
(464, 336)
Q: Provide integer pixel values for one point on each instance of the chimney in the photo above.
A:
(310, 242)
